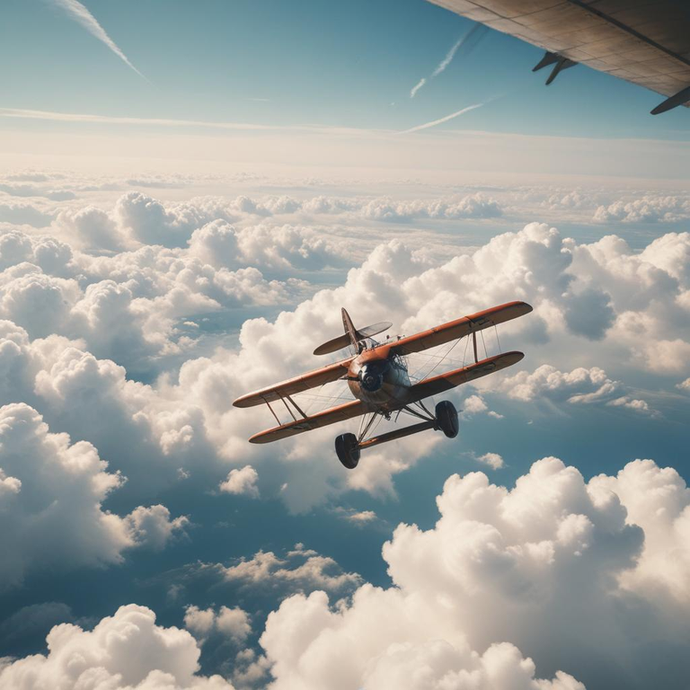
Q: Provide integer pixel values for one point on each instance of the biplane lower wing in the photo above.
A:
(330, 416)
(312, 379)
(454, 330)
(423, 389)
(451, 379)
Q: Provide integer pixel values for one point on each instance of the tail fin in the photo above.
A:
(353, 336)
(350, 329)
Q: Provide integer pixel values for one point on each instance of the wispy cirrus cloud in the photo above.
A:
(417, 86)
(470, 40)
(441, 120)
(82, 16)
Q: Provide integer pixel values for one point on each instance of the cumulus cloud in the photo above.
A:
(148, 221)
(232, 623)
(51, 495)
(301, 569)
(493, 460)
(647, 209)
(362, 516)
(658, 500)
(126, 651)
(241, 481)
(556, 567)
(579, 386)
(134, 306)
(126, 306)
(536, 264)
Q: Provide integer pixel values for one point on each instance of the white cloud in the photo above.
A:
(557, 567)
(241, 481)
(232, 623)
(152, 527)
(684, 385)
(130, 306)
(648, 209)
(579, 386)
(51, 494)
(362, 516)
(658, 500)
(493, 460)
(474, 404)
(127, 651)
(300, 570)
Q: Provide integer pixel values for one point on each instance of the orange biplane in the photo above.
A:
(377, 375)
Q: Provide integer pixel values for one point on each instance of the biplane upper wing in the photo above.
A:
(451, 379)
(453, 330)
(331, 416)
(312, 379)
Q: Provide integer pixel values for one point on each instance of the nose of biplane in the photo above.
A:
(371, 375)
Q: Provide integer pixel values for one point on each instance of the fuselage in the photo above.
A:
(379, 378)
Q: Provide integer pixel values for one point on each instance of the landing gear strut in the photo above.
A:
(348, 447)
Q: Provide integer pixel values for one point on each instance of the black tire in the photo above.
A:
(347, 450)
(447, 418)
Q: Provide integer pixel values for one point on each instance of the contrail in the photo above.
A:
(450, 55)
(82, 16)
(470, 40)
(443, 119)
(416, 88)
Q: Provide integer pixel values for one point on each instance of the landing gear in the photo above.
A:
(447, 418)
(347, 449)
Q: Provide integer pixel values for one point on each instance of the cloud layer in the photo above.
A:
(556, 567)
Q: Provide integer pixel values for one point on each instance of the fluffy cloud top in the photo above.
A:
(230, 622)
(51, 493)
(127, 651)
(301, 569)
(579, 386)
(493, 460)
(648, 209)
(241, 481)
(556, 567)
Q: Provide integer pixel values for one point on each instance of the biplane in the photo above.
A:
(377, 376)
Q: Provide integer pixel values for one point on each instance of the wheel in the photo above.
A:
(447, 418)
(347, 449)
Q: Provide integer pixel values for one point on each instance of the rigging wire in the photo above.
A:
(486, 353)
(498, 340)
(443, 358)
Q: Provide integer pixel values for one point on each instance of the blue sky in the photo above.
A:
(351, 65)
(151, 272)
